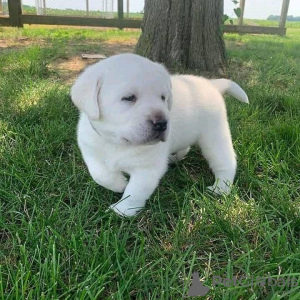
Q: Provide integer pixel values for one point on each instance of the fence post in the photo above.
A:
(127, 9)
(284, 12)
(87, 7)
(242, 7)
(15, 11)
(120, 13)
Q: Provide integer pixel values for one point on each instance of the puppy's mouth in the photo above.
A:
(159, 137)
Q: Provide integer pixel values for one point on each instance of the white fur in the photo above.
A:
(116, 137)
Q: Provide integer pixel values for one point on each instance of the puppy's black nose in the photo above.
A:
(160, 125)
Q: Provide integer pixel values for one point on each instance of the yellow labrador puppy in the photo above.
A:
(135, 118)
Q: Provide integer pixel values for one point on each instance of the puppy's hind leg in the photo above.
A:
(216, 147)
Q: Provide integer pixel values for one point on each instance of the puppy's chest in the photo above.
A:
(121, 160)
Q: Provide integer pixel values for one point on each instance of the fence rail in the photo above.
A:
(17, 18)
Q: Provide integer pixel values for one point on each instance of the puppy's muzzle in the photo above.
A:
(160, 125)
(159, 129)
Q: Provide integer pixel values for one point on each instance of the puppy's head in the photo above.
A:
(127, 99)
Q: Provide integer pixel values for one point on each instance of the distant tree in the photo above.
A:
(293, 19)
(273, 18)
(290, 18)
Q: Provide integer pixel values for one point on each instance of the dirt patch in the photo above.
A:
(9, 43)
(115, 47)
(69, 67)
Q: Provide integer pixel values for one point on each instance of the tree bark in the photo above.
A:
(184, 33)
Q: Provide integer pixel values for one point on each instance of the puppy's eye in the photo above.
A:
(131, 98)
(163, 98)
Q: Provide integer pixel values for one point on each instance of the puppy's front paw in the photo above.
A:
(220, 189)
(125, 208)
(175, 158)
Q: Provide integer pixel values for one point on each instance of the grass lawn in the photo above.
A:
(57, 241)
(268, 23)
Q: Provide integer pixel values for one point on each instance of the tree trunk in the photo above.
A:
(184, 33)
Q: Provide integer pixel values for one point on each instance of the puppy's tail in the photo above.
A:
(227, 86)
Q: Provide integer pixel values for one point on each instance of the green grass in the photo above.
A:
(268, 23)
(57, 241)
(80, 13)
(67, 34)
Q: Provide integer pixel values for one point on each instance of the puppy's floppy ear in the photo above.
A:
(85, 91)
